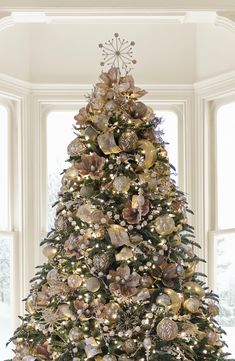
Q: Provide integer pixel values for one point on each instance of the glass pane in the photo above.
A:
(225, 284)
(5, 310)
(170, 128)
(59, 135)
(225, 169)
(4, 169)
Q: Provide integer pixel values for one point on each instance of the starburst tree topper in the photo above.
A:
(118, 52)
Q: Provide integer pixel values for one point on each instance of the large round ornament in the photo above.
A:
(84, 213)
(176, 299)
(75, 148)
(167, 329)
(92, 284)
(101, 261)
(87, 191)
(194, 287)
(138, 110)
(192, 304)
(49, 251)
(74, 281)
(164, 225)
(163, 300)
(128, 141)
(121, 184)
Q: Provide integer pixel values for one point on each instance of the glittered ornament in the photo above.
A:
(164, 225)
(149, 152)
(128, 141)
(129, 346)
(74, 281)
(87, 191)
(75, 334)
(92, 284)
(107, 143)
(101, 261)
(167, 329)
(75, 148)
(138, 109)
(192, 304)
(61, 224)
(121, 184)
(49, 251)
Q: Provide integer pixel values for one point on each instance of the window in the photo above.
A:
(223, 237)
(59, 132)
(5, 235)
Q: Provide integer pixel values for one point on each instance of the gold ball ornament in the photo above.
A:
(121, 184)
(164, 225)
(167, 329)
(74, 281)
(194, 288)
(75, 148)
(129, 346)
(163, 300)
(49, 251)
(72, 173)
(128, 141)
(192, 304)
(92, 284)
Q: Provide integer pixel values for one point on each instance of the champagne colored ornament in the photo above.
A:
(65, 311)
(192, 304)
(107, 143)
(138, 110)
(125, 254)
(167, 329)
(72, 173)
(92, 284)
(101, 122)
(52, 276)
(164, 225)
(149, 153)
(101, 261)
(92, 348)
(84, 213)
(75, 334)
(194, 287)
(75, 148)
(74, 281)
(49, 251)
(163, 300)
(118, 235)
(176, 300)
(87, 191)
(128, 141)
(121, 184)
(130, 346)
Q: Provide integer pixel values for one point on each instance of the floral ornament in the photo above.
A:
(167, 272)
(81, 117)
(111, 76)
(133, 214)
(92, 166)
(123, 283)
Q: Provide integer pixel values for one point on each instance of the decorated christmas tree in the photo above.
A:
(120, 283)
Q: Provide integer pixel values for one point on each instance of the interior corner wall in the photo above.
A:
(15, 51)
(215, 47)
